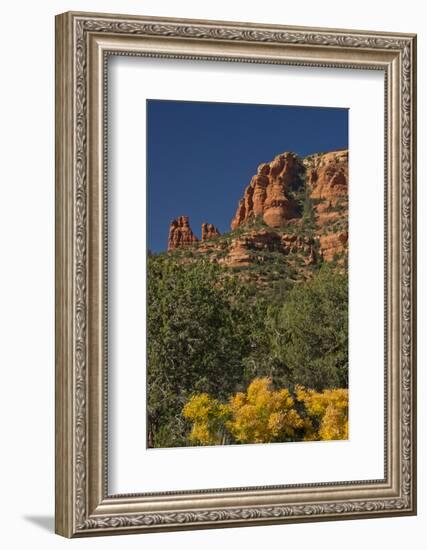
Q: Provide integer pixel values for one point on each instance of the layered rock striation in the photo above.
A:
(247, 249)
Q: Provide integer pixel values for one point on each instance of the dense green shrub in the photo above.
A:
(210, 331)
(309, 333)
(196, 339)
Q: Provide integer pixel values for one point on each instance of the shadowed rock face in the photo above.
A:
(180, 233)
(267, 194)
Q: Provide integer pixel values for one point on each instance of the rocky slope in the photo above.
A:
(293, 214)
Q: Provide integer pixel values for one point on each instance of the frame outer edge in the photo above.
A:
(233, 24)
(414, 269)
(73, 517)
(64, 237)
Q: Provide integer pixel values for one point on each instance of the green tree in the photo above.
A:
(309, 333)
(309, 222)
(196, 337)
(301, 336)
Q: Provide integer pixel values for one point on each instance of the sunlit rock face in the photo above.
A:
(209, 231)
(327, 181)
(275, 196)
(180, 233)
(267, 195)
(327, 175)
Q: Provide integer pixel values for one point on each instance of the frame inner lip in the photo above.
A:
(218, 492)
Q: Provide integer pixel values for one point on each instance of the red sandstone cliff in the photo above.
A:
(244, 250)
(327, 175)
(270, 198)
(327, 178)
(267, 194)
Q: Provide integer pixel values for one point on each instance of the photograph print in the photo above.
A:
(247, 274)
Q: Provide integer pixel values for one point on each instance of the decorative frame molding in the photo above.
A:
(83, 43)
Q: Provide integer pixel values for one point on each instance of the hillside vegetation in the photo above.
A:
(247, 332)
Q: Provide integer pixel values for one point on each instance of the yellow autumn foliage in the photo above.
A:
(329, 408)
(208, 416)
(263, 415)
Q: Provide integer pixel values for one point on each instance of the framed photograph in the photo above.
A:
(235, 274)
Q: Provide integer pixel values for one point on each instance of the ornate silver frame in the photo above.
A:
(83, 42)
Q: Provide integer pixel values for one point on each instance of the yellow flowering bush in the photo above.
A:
(329, 408)
(208, 416)
(263, 415)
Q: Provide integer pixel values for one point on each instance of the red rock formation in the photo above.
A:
(264, 240)
(333, 244)
(327, 175)
(241, 252)
(209, 231)
(268, 197)
(180, 233)
(294, 244)
(267, 194)
(245, 250)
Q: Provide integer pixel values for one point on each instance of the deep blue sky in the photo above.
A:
(201, 156)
